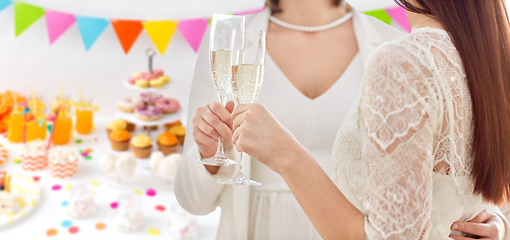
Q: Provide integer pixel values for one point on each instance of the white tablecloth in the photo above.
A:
(49, 213)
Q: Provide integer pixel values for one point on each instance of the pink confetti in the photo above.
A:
(95, 139)
(160, 208)
(114, 205)
(84, 154)
(56, 187)
(74, 230)
(151, 192)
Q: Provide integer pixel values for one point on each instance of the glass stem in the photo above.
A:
(241, 161)
(220, 150)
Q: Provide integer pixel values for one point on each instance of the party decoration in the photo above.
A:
(193, 31)
(161, 33)
(399, 14)
(127, 31)
(51, 232)
(58, 23)
(25, 15)
(250, 11)
(100, 226)
(4, 4)
(90, 29)
(381, 15)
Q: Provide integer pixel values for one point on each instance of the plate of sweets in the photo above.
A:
(19, 195)
(156, 79)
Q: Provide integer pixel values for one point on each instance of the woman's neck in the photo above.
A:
(421, 20)
(309, 12)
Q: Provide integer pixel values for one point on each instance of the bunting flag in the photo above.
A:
(58, 23)
(4, 4)
(193, 31)
(90, 29)
(399, 14)
(161, 33)
(380, 14)
(250, 11)
(127, 31)
(25, 15)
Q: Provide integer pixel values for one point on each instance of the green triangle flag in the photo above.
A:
(25, 15)
(49, 127)
(382, 15)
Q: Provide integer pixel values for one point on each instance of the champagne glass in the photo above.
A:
(221, 70)
(248, 58)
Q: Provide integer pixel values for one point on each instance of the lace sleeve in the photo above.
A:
(398, 121)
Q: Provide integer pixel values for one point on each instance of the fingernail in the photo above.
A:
(454, 227)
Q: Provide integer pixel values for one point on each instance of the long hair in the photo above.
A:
(273, 5)
(480, 31)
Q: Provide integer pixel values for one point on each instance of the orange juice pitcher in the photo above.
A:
(84, 116)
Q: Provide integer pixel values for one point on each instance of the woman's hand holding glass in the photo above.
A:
(211, 122)
(260, 135)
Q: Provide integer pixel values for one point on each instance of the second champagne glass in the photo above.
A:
(247, 76)
(221, 71)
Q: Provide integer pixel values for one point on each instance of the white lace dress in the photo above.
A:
(403, 153)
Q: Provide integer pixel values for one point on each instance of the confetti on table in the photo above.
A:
(137, 192)
(78, 141)
(154, 232)
(95, 182)
(84, 154)
(100, 226)
(74, 230)
(16, 161)
(151, 192)
(88, 157)
(56, 187)
(67, 224)
(80, 151)
(65, 203)
(114, 205)
(69, 186)
(95, 139)
(36, 178)
(51, 232)
(89, 150)
(160, 208)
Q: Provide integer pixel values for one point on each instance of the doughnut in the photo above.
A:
(129, 104)
(148, 113)
(154, 97)
(168, 105)
(158, 72)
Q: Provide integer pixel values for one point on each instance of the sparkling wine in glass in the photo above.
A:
(221, 70)
(247, 76)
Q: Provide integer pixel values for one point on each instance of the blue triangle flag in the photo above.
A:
(90, 29)
(4, 4)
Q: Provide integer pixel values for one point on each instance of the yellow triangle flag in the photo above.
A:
(160, 32)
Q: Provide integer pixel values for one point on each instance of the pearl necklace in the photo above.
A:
(337, 22)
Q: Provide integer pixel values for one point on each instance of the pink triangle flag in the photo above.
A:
(250, 11)
(399, 14)
(193, 31)
(58, 23)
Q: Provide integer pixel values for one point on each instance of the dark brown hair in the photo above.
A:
(480, 31)
(273, 5)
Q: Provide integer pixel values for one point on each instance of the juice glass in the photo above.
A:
(36, 129)
(84, 116)
(15, 129)
(64, 123)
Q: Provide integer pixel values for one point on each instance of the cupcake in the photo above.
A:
(179, 132)
(63, 162)
(141, 146)
(34, 156)
(119, 139)
(169, 125)
(167, 143)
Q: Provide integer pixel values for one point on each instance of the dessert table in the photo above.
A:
(49, 218)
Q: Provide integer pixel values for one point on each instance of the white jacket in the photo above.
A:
(195, 188)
